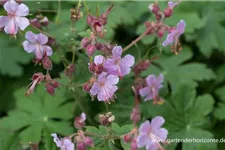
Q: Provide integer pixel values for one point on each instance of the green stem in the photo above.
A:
(57, 20)
(86, 7)
(49, 35)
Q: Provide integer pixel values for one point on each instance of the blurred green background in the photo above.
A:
(194, 88)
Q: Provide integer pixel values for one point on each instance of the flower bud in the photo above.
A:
(35, 22)
(158, 16)
(90, 49)
(47, 63)
(87, 87)
(80, 146)
(154, 8)
(51, 41)
(168, 12)
(85, 42)
(88, 141)
(89, 20)
(50, 89)
(55, 84)
(133, 145)
(135, 115)
(141, 66)
(44, 21)
(160, 32)
(79, 122)
(69, 70)
(127, 138)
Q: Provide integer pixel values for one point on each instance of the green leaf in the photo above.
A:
(12, 55)
(176, 71)
(37, 113)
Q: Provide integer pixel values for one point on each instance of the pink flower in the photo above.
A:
(35, 43)
(151, 134)
(105, 86)
(15, 19)
(63, 144)
(117, 65)
(152, 88)
(174, 34)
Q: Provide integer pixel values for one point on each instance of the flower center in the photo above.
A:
(11, 14)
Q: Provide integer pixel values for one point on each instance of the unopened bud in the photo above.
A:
(161, 32)
(90, 49)
(85, 42)
(89, 19)
(158, 16)
(55, 84)
(133, 145)
(35, 22)
(168, 12)
(69, 70)
(80, 146)
(44, 21)
(135, 115)
(51, 41)
(87, 87)
(154, 8)
(127, 138)
(79, 122)
(47, 63)
(88, 141)
(49, 88)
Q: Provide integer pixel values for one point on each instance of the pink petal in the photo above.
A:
(42, 39)
(3, 21)
(157, 122)
(144, 91)
(171, 4)
(169, 39)
(142, 140)
(39, 52)
(95, 89)
(160, 79)
(181, 27)
(117, 51)
(22, 10)
(99, 59)
(28, 47)
(161, 133)
(56, 140)
(106, 92)
(145, 127)
(123, 69)
(150, 96)
(22, 22)
(48, 50)
(83, 116)
(30, 36)
(10, 6)
(112, 79)
(128, 60)
(11, 27)
(151, 80)
(68, 144)
(102, 76)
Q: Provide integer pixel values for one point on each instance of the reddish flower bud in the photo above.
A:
(88, 141)
(127, 138)
(89, 20)
(158, 16)
(79, 122)
(135, 115)
(35, 22)
(44, 21)
(87, 87)
(47, 63)
(50, 89)
(154, 8)
(69, 70)
(150, 27)
(160, 32)
(85, 42)
(106, 119)
(133, 145)
(141, 66)
(81, 146)
(51, 41)
(168, 12)
(55, 84)
(90, 49)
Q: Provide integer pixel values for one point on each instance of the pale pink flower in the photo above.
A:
(117, 65)
(36, 43)
(105, 86)
(63, 144)
(16, 17)
(174, 34)
(151, 134)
